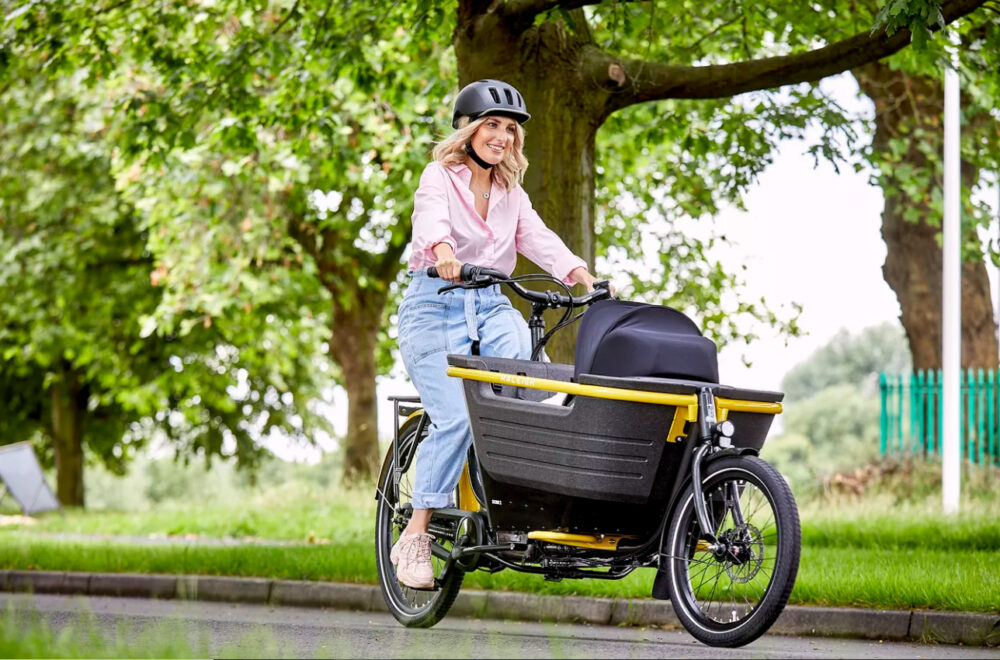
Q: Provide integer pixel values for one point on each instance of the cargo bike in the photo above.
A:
(633, 457)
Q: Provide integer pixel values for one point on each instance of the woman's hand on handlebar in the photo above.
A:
(448, 267)
(581, 275)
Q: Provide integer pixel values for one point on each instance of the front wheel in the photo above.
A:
(411, 607)
(729, 593)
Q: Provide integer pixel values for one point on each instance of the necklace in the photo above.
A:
(486, 195)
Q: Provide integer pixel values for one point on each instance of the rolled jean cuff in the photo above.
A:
(431, 500)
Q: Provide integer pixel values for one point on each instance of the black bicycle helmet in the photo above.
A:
(489, 97)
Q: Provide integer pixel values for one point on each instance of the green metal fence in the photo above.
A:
(911, 414)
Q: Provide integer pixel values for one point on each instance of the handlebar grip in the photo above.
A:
(468, 272)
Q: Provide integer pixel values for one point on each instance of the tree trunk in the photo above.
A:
(67, 438)
(357, 313)
(353, 347)
(904, 104)
(543, 64)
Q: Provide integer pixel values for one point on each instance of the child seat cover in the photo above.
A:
(628, 339)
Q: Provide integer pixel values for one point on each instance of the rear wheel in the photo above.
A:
(730, 594)
(412, 607)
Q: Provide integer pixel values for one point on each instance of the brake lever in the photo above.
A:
(479, 282)
(606, 285)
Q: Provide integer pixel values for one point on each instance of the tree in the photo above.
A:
(70, 280)
(77, 286)
(577, 63)
(848, 359)
(907, 152)
(340, 156)
(566, 64)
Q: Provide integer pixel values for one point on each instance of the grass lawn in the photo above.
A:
(852, 556)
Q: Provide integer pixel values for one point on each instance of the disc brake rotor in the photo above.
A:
(748, 546)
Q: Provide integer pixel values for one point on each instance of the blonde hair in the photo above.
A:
(507, 173)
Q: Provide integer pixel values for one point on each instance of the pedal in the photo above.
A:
(436, 587)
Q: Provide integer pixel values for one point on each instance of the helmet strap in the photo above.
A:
(474, 156)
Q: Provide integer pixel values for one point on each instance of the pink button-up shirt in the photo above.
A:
(444, 211)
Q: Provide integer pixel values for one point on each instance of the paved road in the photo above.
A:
(267, 631)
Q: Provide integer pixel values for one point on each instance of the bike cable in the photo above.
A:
(536, 351)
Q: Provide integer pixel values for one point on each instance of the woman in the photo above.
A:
(469, 208)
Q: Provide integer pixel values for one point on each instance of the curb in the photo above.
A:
(967, 628)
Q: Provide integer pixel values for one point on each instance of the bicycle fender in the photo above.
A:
(731, 451)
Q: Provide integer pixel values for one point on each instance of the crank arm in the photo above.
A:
(477, 549)
(440, 551)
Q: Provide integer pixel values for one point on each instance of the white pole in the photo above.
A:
(951, 298)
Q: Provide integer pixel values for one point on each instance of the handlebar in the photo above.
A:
(480, 276)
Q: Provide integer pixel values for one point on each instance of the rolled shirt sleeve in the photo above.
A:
(540, 244)
(431, 217)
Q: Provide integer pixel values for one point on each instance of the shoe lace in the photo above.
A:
(419, 549)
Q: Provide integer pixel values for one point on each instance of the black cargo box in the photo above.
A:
(603, 451)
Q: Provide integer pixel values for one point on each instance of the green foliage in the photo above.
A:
(323, 161)
(239, 115)
(172, 483)
(79, 286)
(660, 164)
(268, 155)
(909, 163)
(916, 15)
(831, 418)
(265, 155)
(73, 272)
(833, 430)
(849, 360)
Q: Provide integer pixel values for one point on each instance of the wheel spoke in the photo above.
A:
(412, 607)
(730, 586)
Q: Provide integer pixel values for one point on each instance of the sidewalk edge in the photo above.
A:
(968, 628)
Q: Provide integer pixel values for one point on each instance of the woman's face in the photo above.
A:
(494, 139)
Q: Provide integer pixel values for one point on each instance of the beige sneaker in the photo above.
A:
(411, 555)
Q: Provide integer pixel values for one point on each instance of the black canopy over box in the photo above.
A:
(625, 339)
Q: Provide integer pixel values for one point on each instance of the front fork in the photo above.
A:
(711, 436)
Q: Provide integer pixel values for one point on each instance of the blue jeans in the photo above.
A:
(431, 325)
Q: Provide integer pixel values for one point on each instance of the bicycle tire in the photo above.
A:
(754, 589)
(412, 608)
